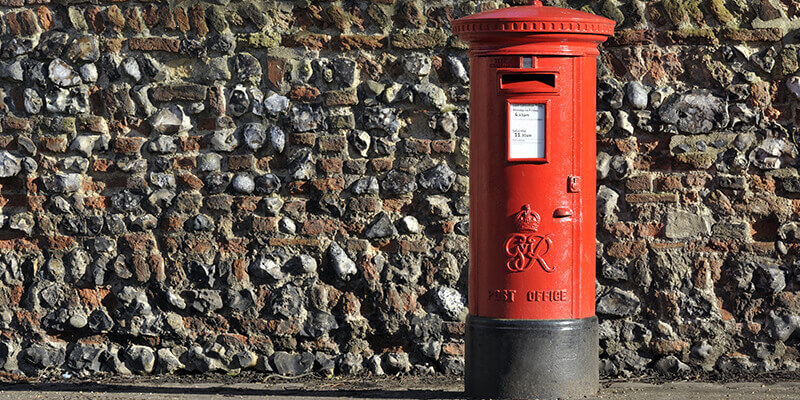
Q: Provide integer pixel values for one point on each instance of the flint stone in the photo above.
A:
(85, 358)
(140, 359)
(396, 363)
(254, 135)
(417, 64)
(432, 95)
(302, 264)
(287, 302)
(659, 95)
(131, 68)
(438, 206)
(618, 302)
(793, 84)
(171, 120)
(72, 101)
(12, 71)
(216, 182)
(346, 71)
(451, 302)
(768, 154)
(300, 165)
(380, 227)
(685, 225)
(224, 140)
(637, 95)
(26, 146)
(267, 184)
(238, 101)
(62, 74)
(32, 101)
(447, 123)
(431, 349)
(782, 326)
(88, 73)
(609, 91)
(245, 67)
(789, 231)
(409, 224)
(384, 119)
(277, 139)
(23, 222)
(366, 185)
(243, 183)
(84, 48)
(45, 355)
(440, 178)
(771, 278)
(695, 112)
(607, 200)
(167, 362)
(125, 201)
(671, 366)
(398, 182)
(318, 323)
(209, 162)
(206, 301)
(10, 165)
(164, 145)
(202, 223)
(163, 180)
(361, 141)
(308, 118)
(396, 92)
(276, 104)
(62, 183)
(452, 365)
(351, 364)
(293, 364)
(457, 69)
(342, 265)
(202, 274)
(266, 268)
(176, 300)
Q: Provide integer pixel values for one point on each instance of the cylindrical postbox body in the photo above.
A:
(532, 330)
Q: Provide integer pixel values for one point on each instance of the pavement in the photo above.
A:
(370, 388)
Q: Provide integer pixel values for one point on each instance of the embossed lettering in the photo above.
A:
(503, 295)
(523, 249)
(526, 248)
(547, 295)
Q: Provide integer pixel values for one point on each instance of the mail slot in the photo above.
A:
(528, 82)
(532, 330)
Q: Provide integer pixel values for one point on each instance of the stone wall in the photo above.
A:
(282, 186)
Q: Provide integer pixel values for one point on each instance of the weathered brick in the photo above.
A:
(198, 17)
(154, 44)
(358, 42)
(651, 198)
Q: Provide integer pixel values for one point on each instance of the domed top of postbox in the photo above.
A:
(534, 19)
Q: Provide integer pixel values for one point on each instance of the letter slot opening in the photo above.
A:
(528, 82)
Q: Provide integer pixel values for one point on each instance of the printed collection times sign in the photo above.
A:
(526, 131)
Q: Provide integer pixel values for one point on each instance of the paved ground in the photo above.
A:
(382, 388)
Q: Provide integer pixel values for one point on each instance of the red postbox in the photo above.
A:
(532, 329)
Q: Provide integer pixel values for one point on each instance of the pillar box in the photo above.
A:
(532, 329)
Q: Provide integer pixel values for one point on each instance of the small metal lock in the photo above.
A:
(574, 184)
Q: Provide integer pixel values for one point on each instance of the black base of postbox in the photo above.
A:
(531, 359)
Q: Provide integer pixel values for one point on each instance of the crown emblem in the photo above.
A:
(527, 219)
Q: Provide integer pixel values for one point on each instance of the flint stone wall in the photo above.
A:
(282, 186)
